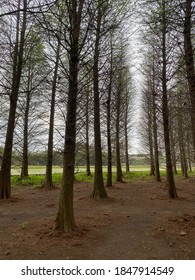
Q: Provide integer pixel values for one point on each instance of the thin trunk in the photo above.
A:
(188, 152)
(119, 175)
(174, 162)
(24, 171)
(150, 137)
(5, 173)
(184, 168)
(98, 188)
(126, 133)
(155, 131)
(126, 149)
(109, 164)
(189, 59)
(149, 117)
(48, 176)
(170, 177)
(173, 153)
(156, 153)
(182, 138)
(185, 165)
(109, 167)
(88, 171)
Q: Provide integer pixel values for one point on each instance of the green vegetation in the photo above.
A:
(34, 180)
(40, 170)
(137, 172)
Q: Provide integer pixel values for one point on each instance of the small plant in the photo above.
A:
(23, 225)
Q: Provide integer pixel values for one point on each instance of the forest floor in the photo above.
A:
(138, 221)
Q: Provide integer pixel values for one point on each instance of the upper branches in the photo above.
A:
(35, 8)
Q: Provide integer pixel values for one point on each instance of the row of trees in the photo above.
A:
(65, 76)
(169, 89)
(63, 68)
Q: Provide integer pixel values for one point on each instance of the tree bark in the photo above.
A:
(126, 133)
(188, 152)
(88, 171)
(156, 153)
(5, 173)
(109, 159)
(98, 188)
(48, 176)
(169, 170)
(150, 140)
(119, 175)
(65, 216)
(24, 171)
(189, 60)
(172, 125)
(181, 134)
(155, 130)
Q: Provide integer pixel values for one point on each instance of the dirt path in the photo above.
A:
(138, 221)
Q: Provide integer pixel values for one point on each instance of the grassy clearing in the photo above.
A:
(34, 180)
(40, 170)
(36, 170)
(37, 180)
(37, 174)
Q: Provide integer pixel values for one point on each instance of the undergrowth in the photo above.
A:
(34, 180)
(37, 180)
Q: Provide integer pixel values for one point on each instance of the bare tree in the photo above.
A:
(159, 26)
(110, 85)
(165, 112)
(5, 173)
(188, 7)
(98, 188)
(65, 216)
(119, 91)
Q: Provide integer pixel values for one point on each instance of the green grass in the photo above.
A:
(136, 172)
(37, 180)
(82, 177)
(34, 180)
(36, 170)
(136, 175)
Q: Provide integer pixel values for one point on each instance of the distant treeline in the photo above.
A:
(39, 158)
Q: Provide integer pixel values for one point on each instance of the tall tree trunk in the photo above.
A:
(156, 153)
(24, 171)
(119, 175)
(98, 188)
(109, 167)
(184, 167)
(126, 149)
(169, 170)
(181, 134)
(126, 132)
(150, 130)
(5, 173)
(88, 171)
(109, 164)
(65, 216)
(189, 59)
(155, 130)
(48, 176)
(188, 152)
(172, 145)
(150, 140)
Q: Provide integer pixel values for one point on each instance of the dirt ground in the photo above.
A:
(138, 221)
